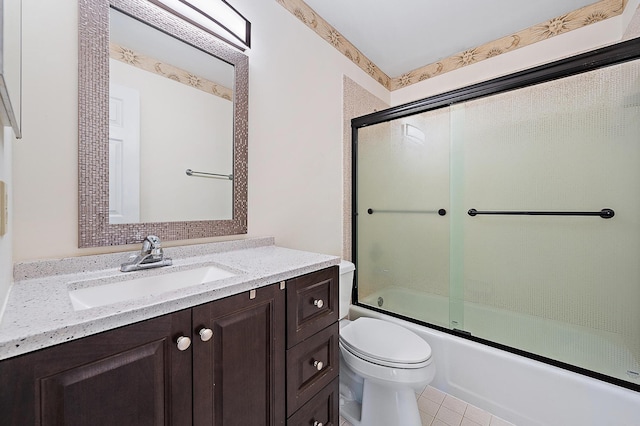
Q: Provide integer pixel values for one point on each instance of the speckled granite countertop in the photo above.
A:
(39, 312)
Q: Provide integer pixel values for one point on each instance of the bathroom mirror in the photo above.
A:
(158, 97)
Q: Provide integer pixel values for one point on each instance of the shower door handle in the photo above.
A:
(604, 213)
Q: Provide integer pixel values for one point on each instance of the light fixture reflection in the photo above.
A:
(217, 17)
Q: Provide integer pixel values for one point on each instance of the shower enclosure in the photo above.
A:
(508, 212)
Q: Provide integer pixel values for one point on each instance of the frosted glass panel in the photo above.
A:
(403, 244)
(563, 287)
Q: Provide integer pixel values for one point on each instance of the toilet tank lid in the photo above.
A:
(346, 266)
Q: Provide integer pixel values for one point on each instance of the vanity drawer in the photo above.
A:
(311, 365)
(321, 409)
(312, 304)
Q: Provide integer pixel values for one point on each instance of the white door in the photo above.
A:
(124, 154)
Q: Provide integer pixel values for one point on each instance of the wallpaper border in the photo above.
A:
(599, 11)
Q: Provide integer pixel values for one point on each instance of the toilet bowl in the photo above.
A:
(382, 365)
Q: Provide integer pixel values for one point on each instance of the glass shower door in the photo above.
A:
(511, 216)
(402, 250)
(560, 286)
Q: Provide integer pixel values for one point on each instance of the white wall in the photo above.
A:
(295, 129)
(45, 160)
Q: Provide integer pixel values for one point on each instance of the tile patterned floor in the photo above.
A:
(441, 409)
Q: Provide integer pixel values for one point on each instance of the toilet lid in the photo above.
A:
(385, 343)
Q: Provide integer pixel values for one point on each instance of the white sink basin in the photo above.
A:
(107, 294)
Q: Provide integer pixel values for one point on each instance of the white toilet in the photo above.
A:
(382, 365)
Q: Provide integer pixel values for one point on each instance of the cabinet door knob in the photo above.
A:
(318, 365)
(317, 423)
(319, 303)
(205, 334)
(183, 343)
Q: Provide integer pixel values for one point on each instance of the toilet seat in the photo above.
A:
(383, 343)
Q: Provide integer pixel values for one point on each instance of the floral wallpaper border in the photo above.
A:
(133, 58)
(311, 19)
(599, 11)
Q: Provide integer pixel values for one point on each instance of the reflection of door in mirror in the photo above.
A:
(124, 154)
(185, 122)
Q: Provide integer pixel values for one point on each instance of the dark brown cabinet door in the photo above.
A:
(134, 375)
(243, 362)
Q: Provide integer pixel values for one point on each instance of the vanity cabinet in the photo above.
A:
(264, 357)
(312, 349)
(138, 375)
(134, 375)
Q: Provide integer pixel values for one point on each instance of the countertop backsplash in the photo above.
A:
(72, 265)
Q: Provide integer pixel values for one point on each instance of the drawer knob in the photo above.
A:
(318, 303)
(318, 365)
(317, 423)
(183, 343)
(205, 334)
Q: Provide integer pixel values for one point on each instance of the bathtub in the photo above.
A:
(518, 389)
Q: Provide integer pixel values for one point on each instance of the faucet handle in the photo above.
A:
(151, 245)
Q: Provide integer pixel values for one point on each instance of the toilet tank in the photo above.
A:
(346, 283)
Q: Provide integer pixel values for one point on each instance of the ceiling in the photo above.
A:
(402, 35)
(406, 41)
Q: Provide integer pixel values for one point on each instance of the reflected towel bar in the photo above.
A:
(441, 212)
(190, 172)
(604, 213)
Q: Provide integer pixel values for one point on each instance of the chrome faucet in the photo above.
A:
(151, 256)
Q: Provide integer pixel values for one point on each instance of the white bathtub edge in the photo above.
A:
(518, 389)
